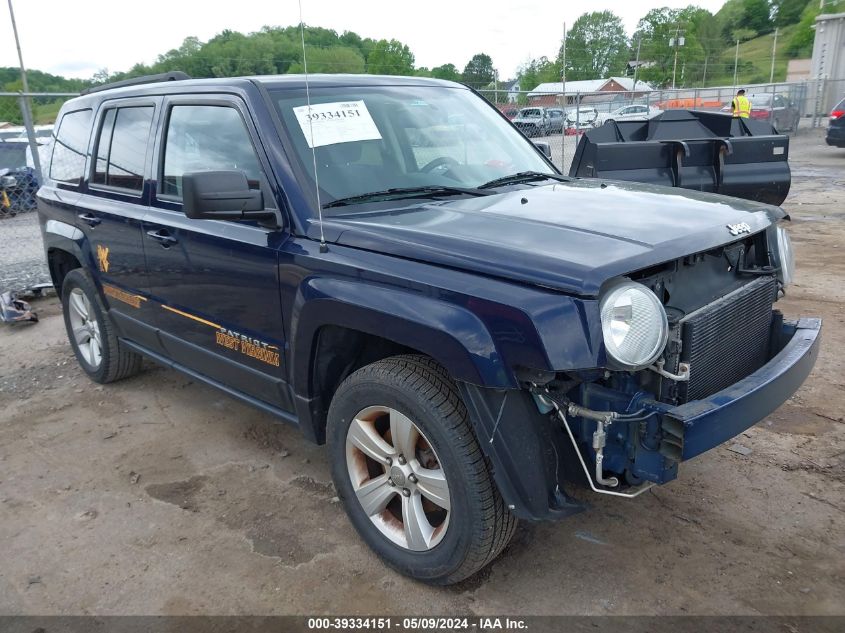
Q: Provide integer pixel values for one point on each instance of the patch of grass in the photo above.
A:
(47, 112)
(755, 60)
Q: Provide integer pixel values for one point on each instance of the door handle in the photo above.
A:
(90, 220)
(163, 237)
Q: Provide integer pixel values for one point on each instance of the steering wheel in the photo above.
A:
(440, 161)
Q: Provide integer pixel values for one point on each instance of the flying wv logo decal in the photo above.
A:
(103, 257)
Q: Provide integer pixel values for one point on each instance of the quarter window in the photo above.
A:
(70, 147)
(122, 148)
(204, 138)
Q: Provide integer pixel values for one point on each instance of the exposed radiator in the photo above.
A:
(728, 339)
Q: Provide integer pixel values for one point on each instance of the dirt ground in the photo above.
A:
(158, 495)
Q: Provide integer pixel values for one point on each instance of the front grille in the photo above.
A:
(728, 339)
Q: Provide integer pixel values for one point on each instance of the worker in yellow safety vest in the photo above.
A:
(741, 106)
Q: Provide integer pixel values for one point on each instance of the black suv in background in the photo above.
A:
(391, 266)
(836, 126)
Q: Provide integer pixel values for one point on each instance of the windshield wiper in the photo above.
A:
(398, 193)
(521, 177)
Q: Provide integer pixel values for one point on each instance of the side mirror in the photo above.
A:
(222, 195)
(545, 148)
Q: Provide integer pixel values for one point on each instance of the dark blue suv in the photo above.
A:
(388, 264)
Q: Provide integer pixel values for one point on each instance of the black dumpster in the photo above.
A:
(704, 151)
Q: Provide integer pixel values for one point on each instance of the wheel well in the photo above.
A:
(338, 352)
(60, 263)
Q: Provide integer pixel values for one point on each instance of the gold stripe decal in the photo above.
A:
(237, 342)
(121, 295)
(193, 318)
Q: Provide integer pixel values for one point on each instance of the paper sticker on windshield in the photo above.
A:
(330, 123)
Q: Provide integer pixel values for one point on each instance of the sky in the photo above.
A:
(76, 38)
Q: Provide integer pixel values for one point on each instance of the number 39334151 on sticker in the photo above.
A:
(338, 122)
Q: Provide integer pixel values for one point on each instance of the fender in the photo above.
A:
(452, 335)
(61, 236)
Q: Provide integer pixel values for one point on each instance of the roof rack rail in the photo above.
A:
(175, 75)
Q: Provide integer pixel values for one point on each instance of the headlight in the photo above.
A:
(786, 257)
(634, 325)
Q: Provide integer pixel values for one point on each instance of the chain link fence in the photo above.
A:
(24, 147)
(560, 118)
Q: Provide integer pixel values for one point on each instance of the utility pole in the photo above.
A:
(26, 110)
(637, 64)
(736, 61)
(774, 51)
(676, 42)
(563, 70)
(704, 77)
(18, 44)
(563, 105)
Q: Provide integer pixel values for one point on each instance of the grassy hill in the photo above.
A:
(755, 60)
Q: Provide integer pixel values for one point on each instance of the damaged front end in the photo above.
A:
(727, 359)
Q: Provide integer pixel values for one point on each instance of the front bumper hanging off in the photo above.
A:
(698, 426)
(532, 458)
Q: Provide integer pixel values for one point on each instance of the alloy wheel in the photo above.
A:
(397, 478)
(85, 329)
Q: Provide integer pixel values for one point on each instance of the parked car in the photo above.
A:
(836, 126)
(777, 109)
(510, 113)
(469, 331)
(582, 118)
(635, 112)
(532, 122)
(556, 120)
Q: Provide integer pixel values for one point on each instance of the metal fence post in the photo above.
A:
(577, 116)
(30, 135)
(772, 111)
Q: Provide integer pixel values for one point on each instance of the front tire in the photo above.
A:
(410, 473)
(92, 336)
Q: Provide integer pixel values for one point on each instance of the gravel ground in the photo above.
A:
(157, 495)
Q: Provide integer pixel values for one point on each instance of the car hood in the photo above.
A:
(568, 236)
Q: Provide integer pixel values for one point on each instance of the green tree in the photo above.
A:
(596, 47)
(390, 58)
(536, 72)
(446, 71)
(708, 35)
(730, 18)
(757, 16)
(658, 29)
(335, 59)
(801, 44)
(479, 71)
(747, 15)
(788, 12)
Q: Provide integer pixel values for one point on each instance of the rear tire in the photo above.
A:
(91, 333)
(383, 398)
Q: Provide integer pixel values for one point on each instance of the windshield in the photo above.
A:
(369, 139)
(761, 100)
(12, 155)
(532, 113)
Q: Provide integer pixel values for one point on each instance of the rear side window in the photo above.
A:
(122, 148)
(70, 147)
(203, 138)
